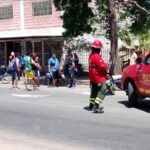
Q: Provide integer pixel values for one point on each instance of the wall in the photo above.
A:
(11, 24)
(30, 22)
(46, 21)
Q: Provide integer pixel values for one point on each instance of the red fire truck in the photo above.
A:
(136, 80)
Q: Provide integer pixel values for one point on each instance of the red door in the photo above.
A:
(144, 76)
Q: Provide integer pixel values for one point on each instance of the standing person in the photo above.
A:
(11, 69)
(14, 69)
(76, 59)
(97, 75)
(69, 61)
(29, 74)
(133, 57)
(62, 60)
(53, 67)
(78, 66)
(22, 63)
(18, 67)
(72, 71)
(36, 70)
(73, 66)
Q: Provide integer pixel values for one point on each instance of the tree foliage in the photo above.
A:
(138, 11)
(78, 18)
(77, 44)
(76, 15)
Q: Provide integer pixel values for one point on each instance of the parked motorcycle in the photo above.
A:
(113, 82)
(5, 76)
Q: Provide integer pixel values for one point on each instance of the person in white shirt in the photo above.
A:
(133, 57)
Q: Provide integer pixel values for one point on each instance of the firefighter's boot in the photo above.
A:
(91, 106)
(98, 109)
(91, 103)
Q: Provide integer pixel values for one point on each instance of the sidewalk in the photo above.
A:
(81, 81)
(84, 80)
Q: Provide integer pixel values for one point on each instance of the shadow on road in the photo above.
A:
(143, 105)
(86, 108)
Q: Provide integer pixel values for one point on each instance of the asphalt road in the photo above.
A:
(56, 119)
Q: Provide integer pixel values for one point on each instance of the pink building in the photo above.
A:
(30, 25)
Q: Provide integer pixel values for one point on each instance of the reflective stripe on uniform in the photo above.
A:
(92, 100)
(98, 100)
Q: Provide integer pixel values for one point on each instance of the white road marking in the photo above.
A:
(25, 95)
(86, 93)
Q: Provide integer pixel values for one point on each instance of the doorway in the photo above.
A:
(14, 46)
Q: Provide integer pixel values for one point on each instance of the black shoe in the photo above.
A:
(101, 107)
(97, 106)
(98, 110)
(91, 107)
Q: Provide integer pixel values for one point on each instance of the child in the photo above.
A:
(72, 71)
(36, 70)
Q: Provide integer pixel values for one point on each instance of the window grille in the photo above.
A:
(6, 12)
(42, 8)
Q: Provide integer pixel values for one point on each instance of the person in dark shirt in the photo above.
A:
(36, 70)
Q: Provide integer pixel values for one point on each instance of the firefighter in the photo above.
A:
(97, 75)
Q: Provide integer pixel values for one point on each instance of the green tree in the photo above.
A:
(138, 12)
(78, 17)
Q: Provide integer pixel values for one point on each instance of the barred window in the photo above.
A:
(42, 8)
(6, 12)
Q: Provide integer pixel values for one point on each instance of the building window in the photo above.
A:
(2, 54)
(6, 12)
(42, 8)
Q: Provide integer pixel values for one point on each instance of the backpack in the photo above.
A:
(22, 62)
(28, 64)
(12, 66)
(53, 62)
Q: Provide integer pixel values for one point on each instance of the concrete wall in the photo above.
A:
(14, 23)
(23, 18)
(52, 20)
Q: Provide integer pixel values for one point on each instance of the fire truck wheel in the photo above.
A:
(132, 96)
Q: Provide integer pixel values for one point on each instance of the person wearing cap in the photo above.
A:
(97, 75)
(14, 69)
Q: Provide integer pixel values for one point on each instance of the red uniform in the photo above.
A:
(98, 76)
(97, 68)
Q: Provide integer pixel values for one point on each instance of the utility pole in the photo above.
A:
(113, 34)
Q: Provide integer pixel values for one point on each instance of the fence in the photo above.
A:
(84, 55)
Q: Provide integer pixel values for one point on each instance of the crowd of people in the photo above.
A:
(27, 65)
(134, 56)
(69, 69)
